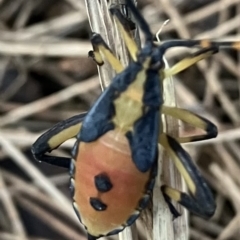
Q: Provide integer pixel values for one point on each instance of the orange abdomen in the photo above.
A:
(111, 157)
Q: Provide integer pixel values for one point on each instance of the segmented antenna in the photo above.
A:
(205, 43)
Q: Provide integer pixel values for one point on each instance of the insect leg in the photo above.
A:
(203, 44)
(100, 46)
(54, 137)
(189, 61)
(143, 25)
(124, 27)
(200, 199)
(194, 120)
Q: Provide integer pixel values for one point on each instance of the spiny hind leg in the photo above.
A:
(194, 120)
(200, 200)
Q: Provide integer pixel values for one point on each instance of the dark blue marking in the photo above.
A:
(201, 208)
(203, 193)
(143, 203)
(155, 167)
(132, 219)
(72, 187)
(72, 168)
(40, 146)
(144, 140)
(211, 129)
(173, 43)
(121, 82)
(103, 183)
(98, 120)
(152, 90)
(97, 204)
(157, 59)
(90, 237)
(124, 16)
(167, 199)
(75, 149)
(140, 21)
(97, 40)
(144, 53)
(151, 184)
(116, 231)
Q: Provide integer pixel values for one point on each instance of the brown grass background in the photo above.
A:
(45, 77)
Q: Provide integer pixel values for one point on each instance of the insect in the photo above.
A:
(114, 160)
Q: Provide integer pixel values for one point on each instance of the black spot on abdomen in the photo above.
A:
(103, 183)
(97, 204)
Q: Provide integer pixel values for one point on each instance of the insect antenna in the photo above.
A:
(205, 43)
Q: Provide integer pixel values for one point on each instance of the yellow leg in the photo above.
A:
(194, 120)
(200, 200)
(54, 137)
(123, 25)
(189, 61)
(100, 47)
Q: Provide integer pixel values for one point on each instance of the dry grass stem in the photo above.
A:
(47, 102)
(45, 48)
(13, 216)
(231, 230)
(38, 178)
(49, 219)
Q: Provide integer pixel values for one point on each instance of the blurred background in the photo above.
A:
(46, 77)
